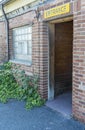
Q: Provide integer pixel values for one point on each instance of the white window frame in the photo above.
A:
(22, 35)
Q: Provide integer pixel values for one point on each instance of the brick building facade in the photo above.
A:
(58, 65)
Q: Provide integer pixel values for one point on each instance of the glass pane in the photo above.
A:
(15, 38)
(29, 30)
(23, 37)
(16, 50)
(29, 37)
(30, 58)
(14, 32)
(23, 43)
(26, 38)
(29, 43)
(16, 44)
(19, 49)
(24, 48)
(19, 38)
(26, 30)
(23, 31)
(30, 51)
(19, 31)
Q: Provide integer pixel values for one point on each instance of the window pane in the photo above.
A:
(29, 37)
(29, 43)
(22, 38)
(29, 30)
(19, 38)
(23, 43)
(30, 51)
(16, 44)
(25, 30)
(19, 49)
(24, 48)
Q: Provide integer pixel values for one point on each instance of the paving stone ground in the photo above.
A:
(14, 116)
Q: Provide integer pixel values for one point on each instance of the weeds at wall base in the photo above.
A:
(15, 84)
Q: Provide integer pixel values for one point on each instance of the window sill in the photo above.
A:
(21, 62)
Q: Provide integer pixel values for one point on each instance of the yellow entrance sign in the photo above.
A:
(59, 10)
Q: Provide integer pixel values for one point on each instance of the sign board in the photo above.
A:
(59, 10)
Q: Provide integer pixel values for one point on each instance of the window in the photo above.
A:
(22, 43)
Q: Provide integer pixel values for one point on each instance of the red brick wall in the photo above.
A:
(55, 3)
(79, 61)
(17, 22)
(3, 48)
(39, 49)
(40, 41)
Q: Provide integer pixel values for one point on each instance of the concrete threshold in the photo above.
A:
(62, 104)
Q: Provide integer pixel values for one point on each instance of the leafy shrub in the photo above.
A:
(14, 83)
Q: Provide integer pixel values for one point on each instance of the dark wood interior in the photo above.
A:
(63, 57)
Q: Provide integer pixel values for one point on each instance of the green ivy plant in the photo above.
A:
(15, 84)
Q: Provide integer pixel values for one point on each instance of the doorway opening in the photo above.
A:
(63, 57)
(61, 62)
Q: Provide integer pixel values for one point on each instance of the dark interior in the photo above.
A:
(63, 57)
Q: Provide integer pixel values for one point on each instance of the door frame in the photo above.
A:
(51, 55)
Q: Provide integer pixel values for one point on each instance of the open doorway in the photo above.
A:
(61, 67)
(63, 57)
